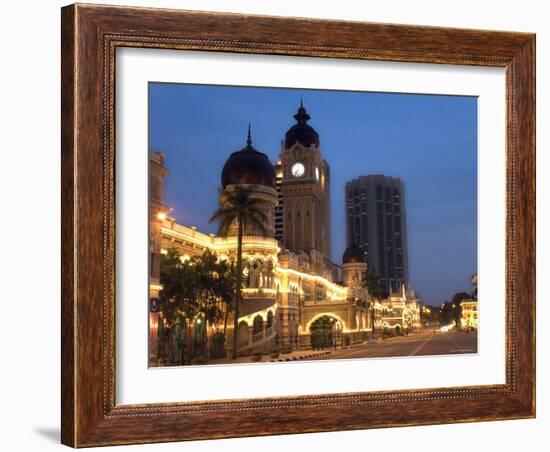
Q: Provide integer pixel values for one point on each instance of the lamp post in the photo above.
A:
(373, 315)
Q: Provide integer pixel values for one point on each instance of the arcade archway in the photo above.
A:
(326, 332)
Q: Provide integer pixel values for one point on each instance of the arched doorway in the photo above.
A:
(242, 335)
(397, 330)
(325, 332)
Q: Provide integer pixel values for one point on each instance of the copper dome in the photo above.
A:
(248, 166)
(301, 132)
(353, 255)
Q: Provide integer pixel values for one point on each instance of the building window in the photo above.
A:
(364, 228)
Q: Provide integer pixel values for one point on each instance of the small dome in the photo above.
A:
(301, 132)
(353, 255)
(248, 166)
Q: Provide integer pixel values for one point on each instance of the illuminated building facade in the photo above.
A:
(469, 309)
(293, 293)
(398, 313)
(469, 314)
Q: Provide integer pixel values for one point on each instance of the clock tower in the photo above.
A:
(304, 190)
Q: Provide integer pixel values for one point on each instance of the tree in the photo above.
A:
(460, 296)
(202, 287)
(238, 206)
(206, 267)
(180, 291)
(226, 285)
(446, 313)
(450, 312)
(371, 281)
(217, 283)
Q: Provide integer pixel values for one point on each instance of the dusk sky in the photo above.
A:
(428, 141)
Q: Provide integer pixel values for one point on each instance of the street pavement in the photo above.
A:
(422, 343)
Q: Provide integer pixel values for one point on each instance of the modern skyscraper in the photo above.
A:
(376, 222)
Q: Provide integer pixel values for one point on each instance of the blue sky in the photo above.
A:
(428, 141)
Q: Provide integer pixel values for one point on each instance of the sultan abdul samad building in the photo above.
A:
(294, 293)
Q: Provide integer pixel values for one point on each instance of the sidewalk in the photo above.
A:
(292, 356)
(300, 354)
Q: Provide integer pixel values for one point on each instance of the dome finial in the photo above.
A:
(249, 138)
(301, 116)
(301, 132)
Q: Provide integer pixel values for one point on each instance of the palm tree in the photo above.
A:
(238, 206)
(372, 282)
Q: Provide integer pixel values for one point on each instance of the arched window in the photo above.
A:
(269, 274)
(242, 334)
(258, 325)
(269, 322)
(246, 273)
(255, 273)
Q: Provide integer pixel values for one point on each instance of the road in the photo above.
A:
(423, 343)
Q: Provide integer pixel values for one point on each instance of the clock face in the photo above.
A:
(298, 170)
(317, 174)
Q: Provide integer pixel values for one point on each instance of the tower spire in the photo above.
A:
(249, 138)
(301, 116)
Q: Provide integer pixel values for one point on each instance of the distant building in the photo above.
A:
(376, 222)
(469, 314)
(469, 309)
(400, 312)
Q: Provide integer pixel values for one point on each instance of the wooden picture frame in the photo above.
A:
(90, 36)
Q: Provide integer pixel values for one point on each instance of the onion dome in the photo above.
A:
(248, 166)
(301, 132)
(353, 255)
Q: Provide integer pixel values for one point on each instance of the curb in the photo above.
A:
(298, 358)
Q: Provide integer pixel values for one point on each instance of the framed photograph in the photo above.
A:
(281, 225)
